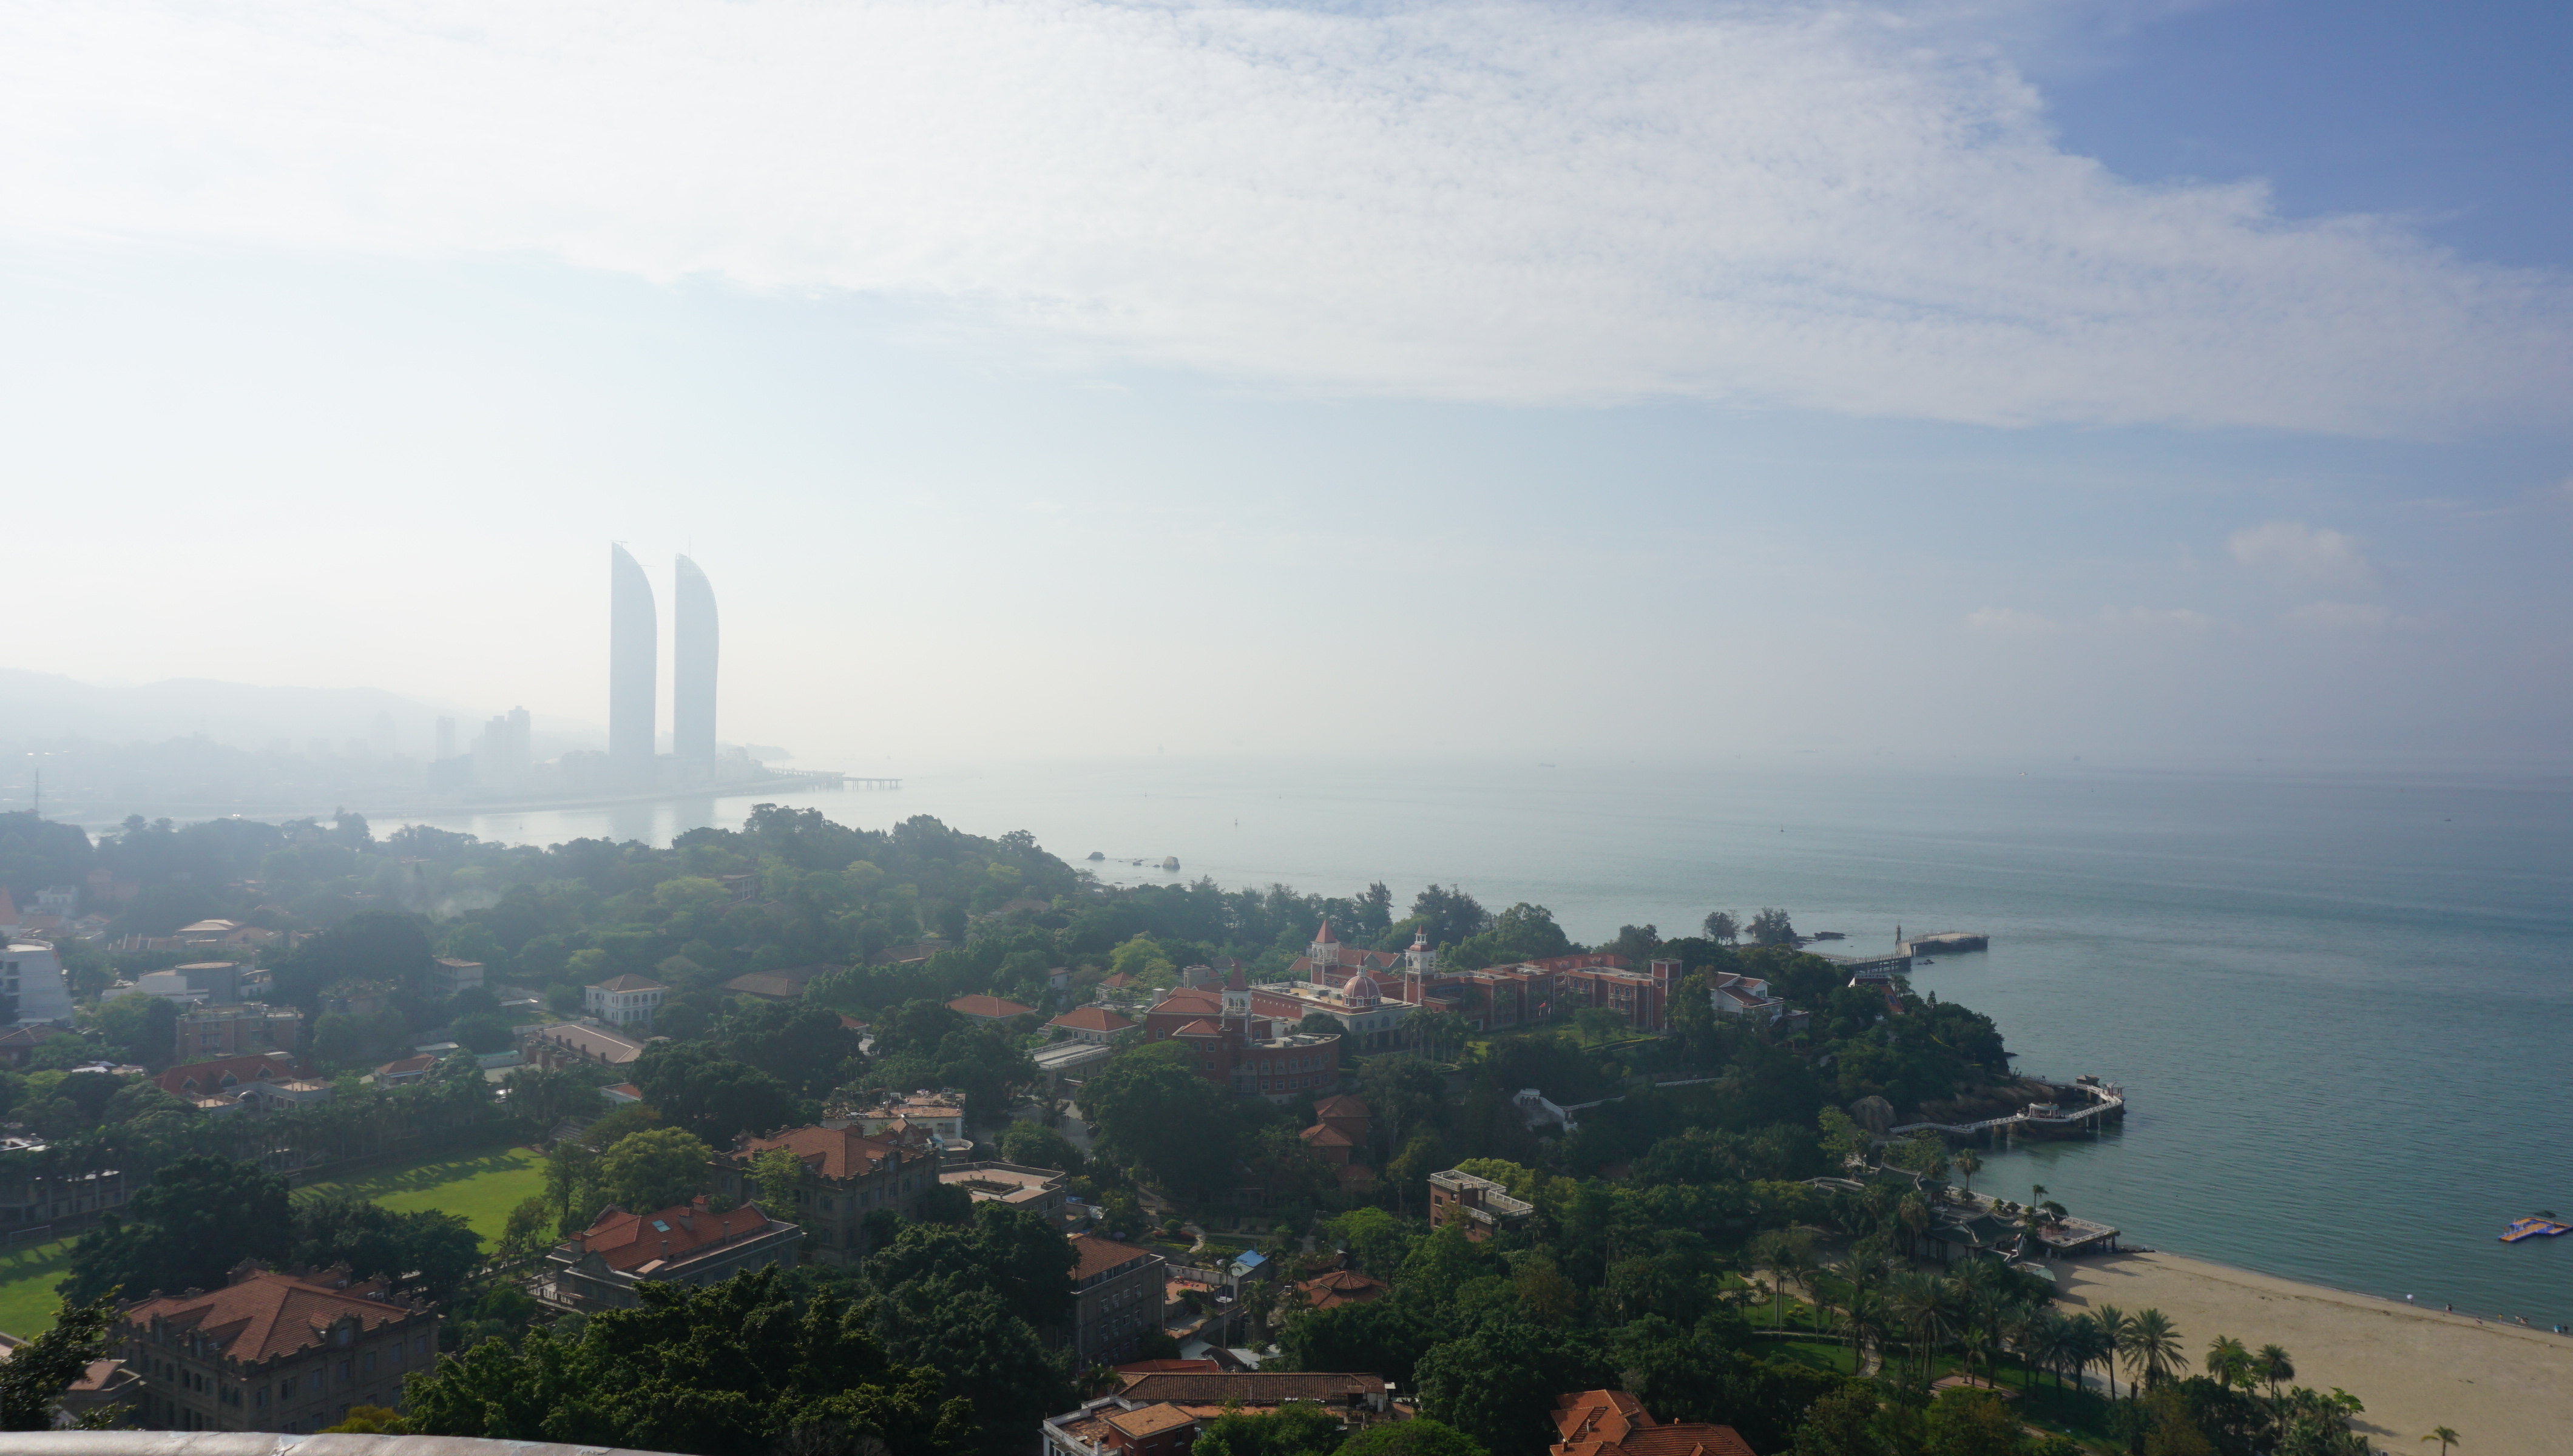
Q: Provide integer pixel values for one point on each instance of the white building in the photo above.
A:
(30, 971)
(624, 1000)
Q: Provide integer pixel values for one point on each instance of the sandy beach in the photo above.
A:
(2507, 1391)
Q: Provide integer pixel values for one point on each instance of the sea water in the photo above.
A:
(2339, 1006)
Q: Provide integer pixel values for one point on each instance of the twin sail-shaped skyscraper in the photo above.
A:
(634, 656)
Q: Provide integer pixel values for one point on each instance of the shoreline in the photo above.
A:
(2507, 1389)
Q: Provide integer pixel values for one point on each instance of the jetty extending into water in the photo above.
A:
(2083, 1105)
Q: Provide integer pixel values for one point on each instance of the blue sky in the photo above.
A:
(2163, 384)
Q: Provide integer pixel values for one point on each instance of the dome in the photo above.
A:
(1359, 988)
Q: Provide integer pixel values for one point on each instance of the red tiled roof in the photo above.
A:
(1614, 1423)
(1341, 1104)
(629, 983)
(407, 1065)
(1091, 1019)
(1200, 1027)
(1326, 1136)
(991, 1008)
(834, 1153)
(209, 1076)
(1163, 1367)
(268, 1315)
(1343, 1286)
(1098, 1256)
(1188, 1000)
(1324, 937)
(632, 1240)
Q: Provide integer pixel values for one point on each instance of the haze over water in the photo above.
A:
(2341, 1006)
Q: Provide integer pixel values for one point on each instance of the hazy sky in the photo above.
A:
(2149, 381)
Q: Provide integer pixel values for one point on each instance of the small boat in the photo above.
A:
(2533, 1228)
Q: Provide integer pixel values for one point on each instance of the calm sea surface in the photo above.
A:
(2341, 1007)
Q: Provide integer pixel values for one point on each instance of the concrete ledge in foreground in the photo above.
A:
(269, 1443)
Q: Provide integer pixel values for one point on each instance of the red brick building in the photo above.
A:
(1256, 1056)
(272, 1351)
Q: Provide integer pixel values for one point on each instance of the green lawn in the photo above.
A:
(28, 1275)
(483, 1187)
(1829, 1355)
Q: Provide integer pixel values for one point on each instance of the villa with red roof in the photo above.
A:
(687, 1244)
(988, 1009)
(1614, 1423)
(1093, 1023)
(272, 1351)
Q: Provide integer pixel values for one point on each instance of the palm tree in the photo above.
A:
(2152, 1345)
(2274, 1365)
(2045, 1341)
(2226, 1360)
(2113, 1323)
(1968, 1164)
(1915, 1219)
(2444, 1436)
(1926, 1307)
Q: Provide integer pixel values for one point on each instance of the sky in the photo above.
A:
(1988, 380)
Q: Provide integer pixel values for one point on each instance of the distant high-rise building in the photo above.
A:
(632, 644)
(501, 756)
(693, 648)
(445, 738)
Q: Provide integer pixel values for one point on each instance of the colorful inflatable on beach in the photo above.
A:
(2533, 1228)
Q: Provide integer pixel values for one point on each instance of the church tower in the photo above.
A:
(1418, 964)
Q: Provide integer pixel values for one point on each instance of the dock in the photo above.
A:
(2100, 1102)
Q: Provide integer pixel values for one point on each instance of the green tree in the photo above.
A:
(2272, 1364)
(1297, 1429)
(1153, 1112)
(1975, 1423)
(1498, 1383)
(776, 1174)
(689, 893)
(424, 1250)
(34, 1378)
(482, 1032)
(2151, 1347)
(202, 1215)
(655, 1170)
(1720, 928)
(1420, 1437)
(1772, 928)
(723, 1371)
(704, 1092)
(1033, 1144)
(1375, 1238)
(531, 1226)
(2445, 1436)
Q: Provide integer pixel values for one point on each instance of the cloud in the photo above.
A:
(2339, 617)
(2180, 618)
(1837, 207)
(2303, 554)
(2011, 621)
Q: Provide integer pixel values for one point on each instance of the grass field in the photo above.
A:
(483, 1186)
(28, 1275)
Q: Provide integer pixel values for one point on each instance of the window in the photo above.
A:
(370, 1363)
(260, 1398)
(285, 1389)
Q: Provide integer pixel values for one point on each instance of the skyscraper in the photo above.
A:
(693, 643)
(632, 644)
